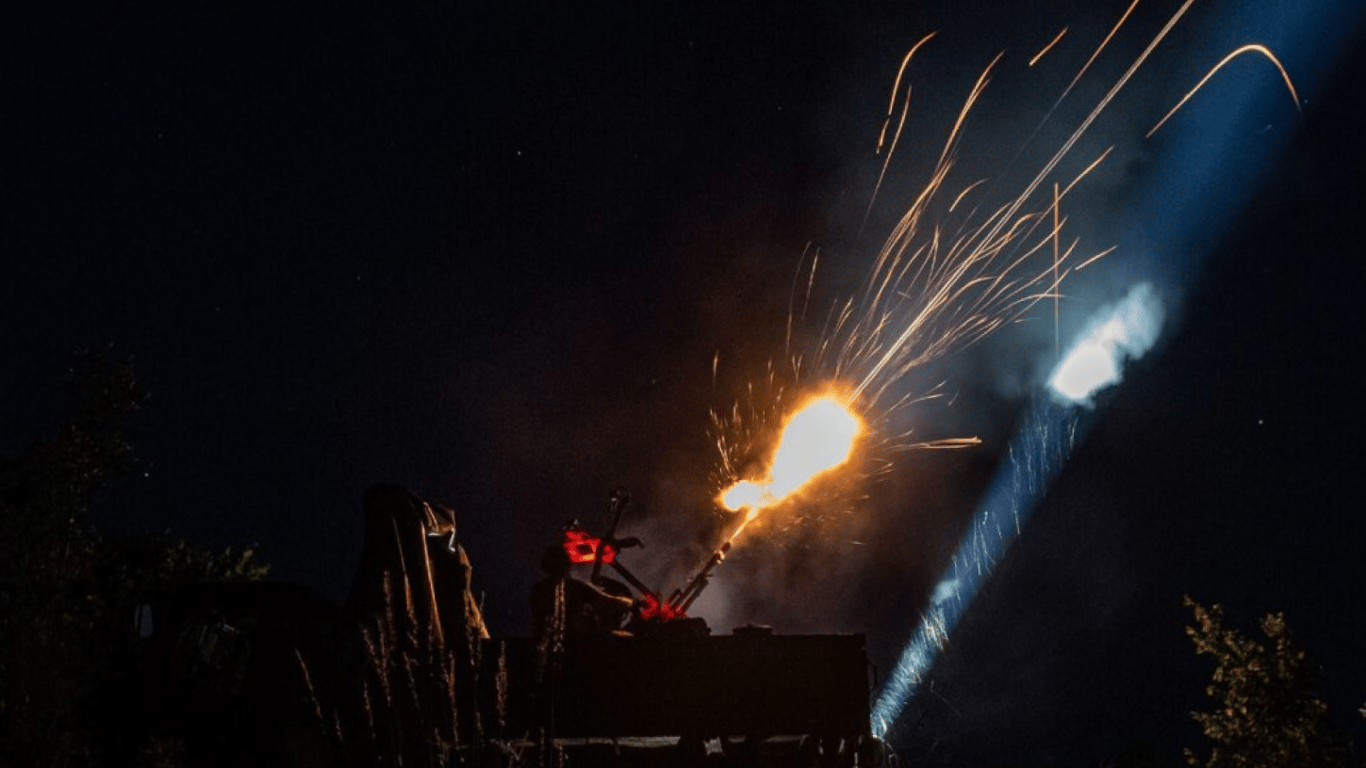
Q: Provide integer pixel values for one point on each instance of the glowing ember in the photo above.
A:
(583, 548)
(654, 609)
(817, 438)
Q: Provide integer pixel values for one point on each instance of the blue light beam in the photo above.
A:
(1119, 333)
(1037, 454)
(1188, 178)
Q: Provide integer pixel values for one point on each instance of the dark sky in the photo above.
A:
(491, 254)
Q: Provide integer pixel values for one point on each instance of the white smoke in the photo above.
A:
(1124, 331)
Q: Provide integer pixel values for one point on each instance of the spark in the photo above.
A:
(1048, 47)
(1095, 258)
(1057, 297)
(1249, 48)
(891, 109)
(932, 289)
(1096, 53)
(810, 281)
(1087, 171)
(964, 193)
(1051, 426)
(943, 280)
(952, 443)
(968, 287)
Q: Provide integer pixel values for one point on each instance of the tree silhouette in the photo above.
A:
(1266, 711)
(67, 594)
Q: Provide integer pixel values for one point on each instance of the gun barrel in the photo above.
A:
(700, 581)
(616, 504)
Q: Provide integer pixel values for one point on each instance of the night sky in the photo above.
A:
(492, 255)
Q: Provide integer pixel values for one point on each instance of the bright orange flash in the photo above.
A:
(818, 437)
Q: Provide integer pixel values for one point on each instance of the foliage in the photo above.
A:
(166, 563)
(1266, 710)
(66, 592)
(161, 753)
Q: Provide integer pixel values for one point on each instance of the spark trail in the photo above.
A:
(1057, 420)
(1250, 48)
(942, 281)
(980, 282)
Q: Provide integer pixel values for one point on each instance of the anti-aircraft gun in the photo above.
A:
(274, 673)
(798, 699)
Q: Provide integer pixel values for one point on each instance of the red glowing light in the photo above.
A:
(653, 609)
(583, 547)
